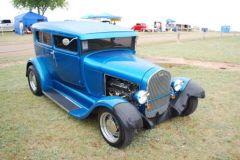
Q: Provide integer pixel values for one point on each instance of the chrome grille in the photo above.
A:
(159, 88)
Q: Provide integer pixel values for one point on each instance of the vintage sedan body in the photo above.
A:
(91, 67)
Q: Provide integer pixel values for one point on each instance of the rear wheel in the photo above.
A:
(114, 133)
(34, 81)
(191, 106)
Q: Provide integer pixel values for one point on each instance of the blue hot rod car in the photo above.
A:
(91, 67)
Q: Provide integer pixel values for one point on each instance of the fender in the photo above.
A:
(45, 78)
(185, 80)
(109, 102)
(192, 89)
(129, 115)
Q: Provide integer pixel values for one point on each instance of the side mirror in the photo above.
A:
(66, 41)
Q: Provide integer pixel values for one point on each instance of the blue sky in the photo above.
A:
(204, 13)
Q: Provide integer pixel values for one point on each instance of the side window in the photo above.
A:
(44, 37)
(6, 21)
(72, 46)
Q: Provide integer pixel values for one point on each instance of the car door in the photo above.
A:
(62, 62)
(66, 61)
(138, 27)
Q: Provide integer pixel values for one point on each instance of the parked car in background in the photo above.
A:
(142, 27)
(87, 69)
(6, 25)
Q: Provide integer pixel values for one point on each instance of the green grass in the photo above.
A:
(226, 49)
(12, 38)
(183, 32)
(12, 57)
(35, 128)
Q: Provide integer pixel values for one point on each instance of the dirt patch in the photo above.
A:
(212, 65)
(9, 64)
(178, 36)
(18, 53)
(16, 48)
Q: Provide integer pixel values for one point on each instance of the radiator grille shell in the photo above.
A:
(158, 86)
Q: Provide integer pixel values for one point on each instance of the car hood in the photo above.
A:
(119, 63)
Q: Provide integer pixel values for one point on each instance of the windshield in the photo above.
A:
(93, 45)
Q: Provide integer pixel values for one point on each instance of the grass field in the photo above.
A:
(36, 128)
(12, 38)
(213, 49)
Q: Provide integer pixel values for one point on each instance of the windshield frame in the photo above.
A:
(96, 45)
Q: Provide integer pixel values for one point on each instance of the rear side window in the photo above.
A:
(72, 46)
(6, 21)
(44, 37)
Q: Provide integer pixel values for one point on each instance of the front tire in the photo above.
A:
(114, 133)
(192, 104)
(34, 81)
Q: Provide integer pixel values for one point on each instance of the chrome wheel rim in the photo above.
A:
(109, 127)
(33, 81)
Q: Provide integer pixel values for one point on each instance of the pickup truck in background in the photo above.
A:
(6, 25)
(142, 27)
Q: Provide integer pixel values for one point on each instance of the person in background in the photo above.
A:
(26, 30)
(155, 27)
(21, 28)
(160, 26)
(30, 28)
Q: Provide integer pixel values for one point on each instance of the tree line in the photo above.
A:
(40, 5)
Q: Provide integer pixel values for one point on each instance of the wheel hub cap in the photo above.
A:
(109, 127)
(33, 81)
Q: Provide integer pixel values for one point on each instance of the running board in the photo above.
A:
(61, 100)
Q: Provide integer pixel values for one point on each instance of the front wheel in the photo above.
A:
(191, 106)
(114, 133)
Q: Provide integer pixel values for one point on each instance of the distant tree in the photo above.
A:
(40, 5)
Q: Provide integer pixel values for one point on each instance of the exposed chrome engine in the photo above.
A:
(121, 88)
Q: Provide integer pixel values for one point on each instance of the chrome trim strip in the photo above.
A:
(160, 97)
(70, 100)
(60, 104)
(55, 102)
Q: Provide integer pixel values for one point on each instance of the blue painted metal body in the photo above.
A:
(81, 77)
(84, 30)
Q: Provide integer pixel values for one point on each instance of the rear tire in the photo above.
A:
(34, 81)
(114, 133)
(192, 104)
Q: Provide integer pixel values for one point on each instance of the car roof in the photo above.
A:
(85, 29)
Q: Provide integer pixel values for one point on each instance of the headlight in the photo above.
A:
(177, 85)
(141, 96)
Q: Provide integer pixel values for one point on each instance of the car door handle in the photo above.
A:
(52, 52)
